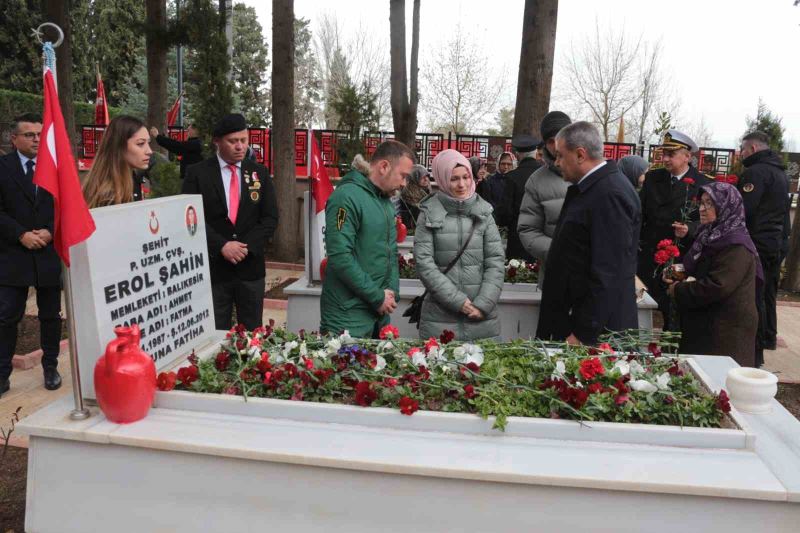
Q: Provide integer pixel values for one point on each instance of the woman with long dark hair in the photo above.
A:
(125, 147)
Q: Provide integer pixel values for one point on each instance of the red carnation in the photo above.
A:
(674, 251)
(193, 358)
(733, 179)
(412, 351)
(591, 367)
(264, 365)
(267, 378)
(390, 382)
(431, 343)
(664, 243)
(511, 272)
(621, 399)
(166, 381)
(408, 406)
(723, 402)
(188, 374)
(222, 361)
(469, 392)
(446, 336)
(308, 362)
(688, 181)
(388, 330)
(579, 397)
(365, 394)
(594, 388)
(654, 349)
(661, 257)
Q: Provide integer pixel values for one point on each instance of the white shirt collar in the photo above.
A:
(591, 172)
(224, 164)
(680, 176)
(23, 159)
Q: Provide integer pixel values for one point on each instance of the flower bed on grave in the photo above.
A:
(517, 270)
(633, 382)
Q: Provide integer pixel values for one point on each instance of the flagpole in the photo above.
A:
(310, 210)
(79, 412)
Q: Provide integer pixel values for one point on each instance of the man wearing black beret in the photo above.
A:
(240, 216)
(508, 211)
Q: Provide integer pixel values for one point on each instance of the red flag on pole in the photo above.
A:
(56, 172)
(100, 105)
(172, 116)
(321, 186)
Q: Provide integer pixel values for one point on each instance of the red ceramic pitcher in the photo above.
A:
(125, 378)
(402, 231)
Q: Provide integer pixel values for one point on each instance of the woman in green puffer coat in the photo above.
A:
(465, 299)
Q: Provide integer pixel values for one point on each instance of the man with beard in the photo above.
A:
(590, 288)
(666, 193)
(508, 211)
(765, 192)
(544, 194)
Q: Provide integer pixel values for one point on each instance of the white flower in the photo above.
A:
(334, 345)
(514, 263)
(419, 359)
(288, 347)
(642, 385)
(623, 367)
(276, 358)
(380, 363)
(662, 381)
(385, 345)
(254, 351)
(345, 337)
(436, 355)
(469, 353)
(320, 354)
(558, 371)
(636, 369)
(409, 256)
(303, 349)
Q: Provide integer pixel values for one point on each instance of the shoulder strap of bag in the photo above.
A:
(452, 263)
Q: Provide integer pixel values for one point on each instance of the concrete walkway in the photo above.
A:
(27, 386)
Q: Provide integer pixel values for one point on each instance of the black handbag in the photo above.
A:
(414, 311)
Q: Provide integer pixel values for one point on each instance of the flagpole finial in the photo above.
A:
(38, 33)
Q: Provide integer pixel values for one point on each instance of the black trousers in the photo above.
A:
(12, 309)
(772, 273)
(247, 296)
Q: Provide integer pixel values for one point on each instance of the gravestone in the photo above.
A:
(147, 263)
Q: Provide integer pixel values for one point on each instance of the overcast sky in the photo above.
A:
(723, 54)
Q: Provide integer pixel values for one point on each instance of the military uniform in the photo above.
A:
(663, 197)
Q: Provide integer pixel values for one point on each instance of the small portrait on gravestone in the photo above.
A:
(191, 220)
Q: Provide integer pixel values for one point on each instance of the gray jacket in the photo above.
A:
(443, 225)
(538, 214)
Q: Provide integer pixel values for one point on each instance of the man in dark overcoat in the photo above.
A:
(190, 151)
(665, 193)
(590, 286)
(241, 214)
(508, 210)
(764, 187)
(27, 256)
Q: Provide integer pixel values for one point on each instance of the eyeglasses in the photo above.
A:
(30, 134)
(706, 205)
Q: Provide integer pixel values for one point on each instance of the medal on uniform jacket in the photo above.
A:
(256, 183)
(254, 195)
(748, 187)
(246, 176)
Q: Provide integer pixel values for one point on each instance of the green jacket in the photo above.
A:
(442, 228)
(361, 243)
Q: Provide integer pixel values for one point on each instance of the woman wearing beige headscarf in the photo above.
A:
(456, 228)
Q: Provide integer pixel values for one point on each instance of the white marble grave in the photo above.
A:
(218, 463)
(518, 308)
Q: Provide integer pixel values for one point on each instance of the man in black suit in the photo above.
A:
(190, 150)
(241, 215)
(27, 256)
(591, 265)
(666, 192)
(508, 211)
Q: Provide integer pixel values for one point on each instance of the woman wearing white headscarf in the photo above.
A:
(463, 300)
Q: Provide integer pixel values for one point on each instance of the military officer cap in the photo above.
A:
(229, 124)
(675, 140)
(524, 143)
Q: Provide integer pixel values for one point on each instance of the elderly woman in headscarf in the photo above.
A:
(634, 167)
(456, 229)
(497, 181)
(418, 186)
(717, 302)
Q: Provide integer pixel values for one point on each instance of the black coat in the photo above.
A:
(256, 218)
(765, 190)
(190, 150)
(661, 206)
(496, 187)
(22, 209)
(591, 266)
(508, 210)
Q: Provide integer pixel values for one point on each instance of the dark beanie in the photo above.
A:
(552, 124)
(229, 124)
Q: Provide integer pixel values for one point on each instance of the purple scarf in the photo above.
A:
(728, 229)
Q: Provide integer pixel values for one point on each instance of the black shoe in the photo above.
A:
(52, 379)
(5, 384)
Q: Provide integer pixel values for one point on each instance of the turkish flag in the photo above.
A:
(172, 116)
(321, 186)
(100, 105)
(56, 173)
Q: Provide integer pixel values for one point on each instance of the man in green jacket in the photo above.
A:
(361, 284)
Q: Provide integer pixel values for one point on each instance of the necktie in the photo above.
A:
(29, 175)
(233, 195)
